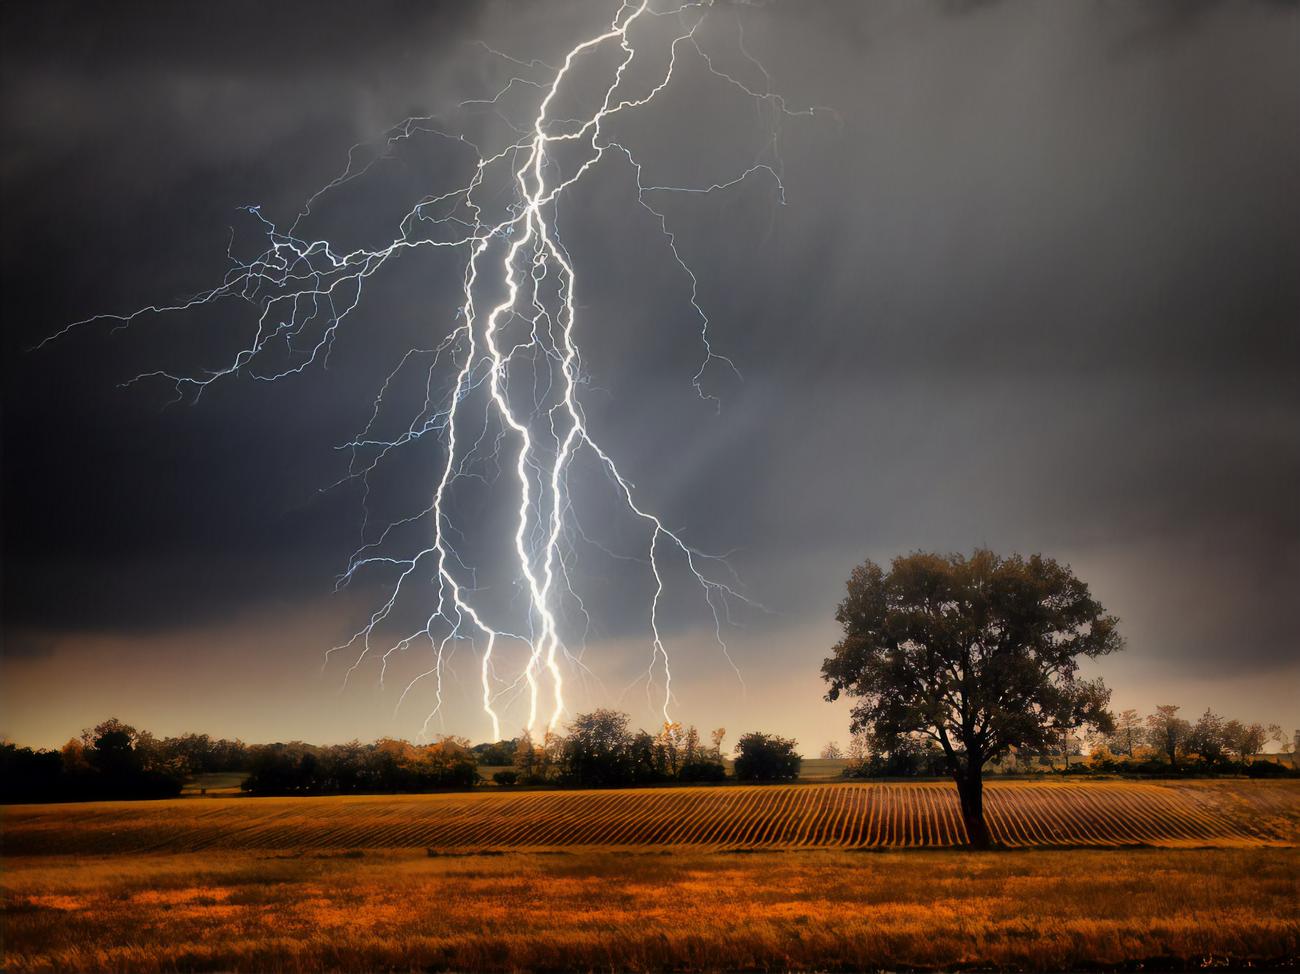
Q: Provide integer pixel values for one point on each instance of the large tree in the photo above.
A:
(980, 654)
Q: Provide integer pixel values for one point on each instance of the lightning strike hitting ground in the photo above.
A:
(511, 356)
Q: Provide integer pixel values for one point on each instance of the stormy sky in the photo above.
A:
(1033, 287)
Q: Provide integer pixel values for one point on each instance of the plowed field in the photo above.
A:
(921, 814)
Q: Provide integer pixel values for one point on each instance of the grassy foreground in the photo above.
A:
(653, 910)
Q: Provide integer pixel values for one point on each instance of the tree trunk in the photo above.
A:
(970, 789)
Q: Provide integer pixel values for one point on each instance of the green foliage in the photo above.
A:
(498, 754)
(979, 654)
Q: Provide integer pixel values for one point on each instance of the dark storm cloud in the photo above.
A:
(1166, 21)
(130, 140)
(1034, 288)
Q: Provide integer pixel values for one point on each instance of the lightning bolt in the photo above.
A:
(518, 277)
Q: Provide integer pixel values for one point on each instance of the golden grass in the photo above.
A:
(688, 909)
(682, 879)
(1020, 813)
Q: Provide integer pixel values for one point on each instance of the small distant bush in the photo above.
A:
(1269, 769)
(703, 771)
(767, 757)
(506, 777)
(499, 753)
(1103, 760)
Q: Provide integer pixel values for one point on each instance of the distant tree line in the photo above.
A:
(1159, 744)
(1163, 742)
(114, 760)
(355, 768)
(600, 750)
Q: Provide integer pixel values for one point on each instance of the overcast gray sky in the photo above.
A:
(1034, 287)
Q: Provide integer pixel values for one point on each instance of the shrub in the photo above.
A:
(1269, 769)
(766, 757)
(500, 753)
(506, 777)
(702, 771)
(1103, 759)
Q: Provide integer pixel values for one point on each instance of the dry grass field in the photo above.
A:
(682, 910)
(755, 879)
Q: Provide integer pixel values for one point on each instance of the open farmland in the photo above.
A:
(684, 879)
(855, 816)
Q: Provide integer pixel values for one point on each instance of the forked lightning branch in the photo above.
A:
(512, 348)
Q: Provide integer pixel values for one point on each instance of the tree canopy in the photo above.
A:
(767, 757)
(978, 653)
